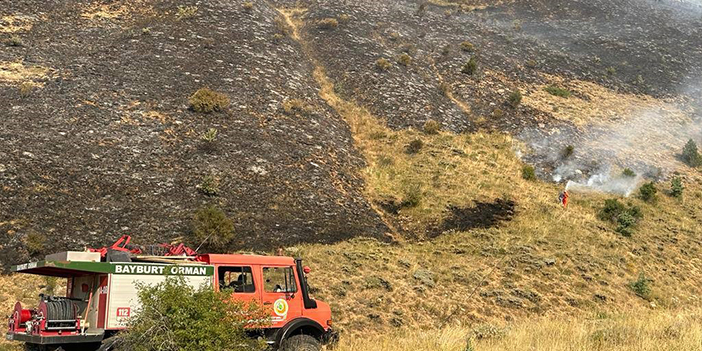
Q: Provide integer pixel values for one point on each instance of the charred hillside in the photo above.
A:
(97, 137)
(105, 143)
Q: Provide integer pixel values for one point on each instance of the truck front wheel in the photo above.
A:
(301, 342)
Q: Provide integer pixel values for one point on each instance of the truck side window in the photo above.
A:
(239, 279)
(279, 279)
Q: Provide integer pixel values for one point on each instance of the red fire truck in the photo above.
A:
(101, 295)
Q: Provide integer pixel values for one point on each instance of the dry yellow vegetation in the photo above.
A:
(634, 331)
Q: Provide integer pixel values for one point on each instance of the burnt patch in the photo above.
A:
(481, 215)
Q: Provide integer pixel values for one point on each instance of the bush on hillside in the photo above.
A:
(415, 146)
(470, 67)
(327, 23)
(383, 64)
(248, 6)
(209, 186)
(404, 59)
(626, 217)
(515, 98)
(186, 12)
(212, 227)
(177, 317)
(556, 91)
(629, 173)
(432, 127)
(293, 107)
(412, 196)
(467, 46)
(528, 172)
(677, 188)
(641, 287)
(568, 151)
(648, 191)
(14, 40)
(691, 155)
(206, 100)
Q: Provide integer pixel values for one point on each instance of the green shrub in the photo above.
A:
(206, 100)
(327, 23)
(404, 59)
(467, 46)
(432, 127)
(177, 317)
(412, 196)
(248, 5)
(209, 186)
(35, 243)
(625, 217)
(415, 146)
(383, 64)
(611, 71)
(14, 40)
(470, 67)
(212, 227)
(676, 188)
(641, 287)
(185, 12)
(627, 172)
(556, 91)
(568, 151)
(648, 191)
(515, 98)
(528, 172)
(210, 135)
(691, 155)
(531, 63)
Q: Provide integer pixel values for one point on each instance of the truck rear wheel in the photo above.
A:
(301, 342)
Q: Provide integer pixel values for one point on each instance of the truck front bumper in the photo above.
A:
(51, 340)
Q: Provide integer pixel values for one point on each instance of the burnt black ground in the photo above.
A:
(81, 163)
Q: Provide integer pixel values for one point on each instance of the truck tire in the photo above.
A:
(301, 342)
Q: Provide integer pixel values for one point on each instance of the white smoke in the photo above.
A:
(648, 141)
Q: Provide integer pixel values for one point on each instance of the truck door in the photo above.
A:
(280, 294)
(239, 280)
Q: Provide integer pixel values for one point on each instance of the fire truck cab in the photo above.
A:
(101, 295)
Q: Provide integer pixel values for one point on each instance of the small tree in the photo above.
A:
(470, 67)
(691, 155)
(676, 188)
(515, 98)
(648, 192)
(629, 173)
(568, 151)
(641, 287)
(528, 172)
(175, 316)
(625, 217)
(212, 227)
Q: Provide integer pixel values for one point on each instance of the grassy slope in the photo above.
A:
(494, 274)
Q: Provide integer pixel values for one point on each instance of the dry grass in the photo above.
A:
(117, 10)
(591, 103)
(16, 72)
(15, 24)
(634, 331)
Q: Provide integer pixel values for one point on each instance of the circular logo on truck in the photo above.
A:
(280, 307)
